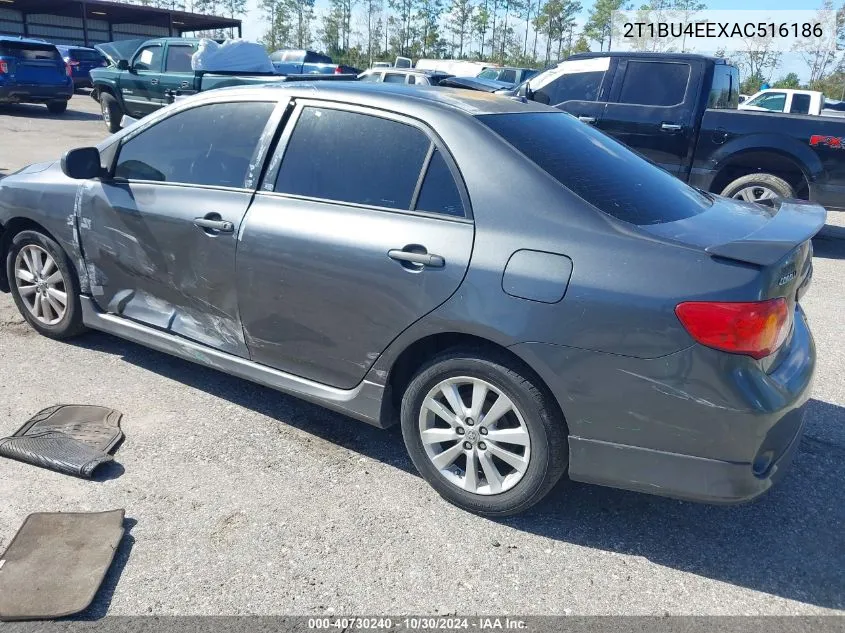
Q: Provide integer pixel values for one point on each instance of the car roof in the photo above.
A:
(409, 71)
(24, 40)
(399, 97)
(638, 55)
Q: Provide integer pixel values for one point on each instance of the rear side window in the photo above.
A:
(353, 157)
(439, 193)
(597, 168)
(30, 52)
(654, 83)
(800, 104)
(316, 58)
(508, 76)
(724, 93)
(208, 145)
(179, 59)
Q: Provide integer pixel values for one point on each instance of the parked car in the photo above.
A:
(456, 67)
(477, 83)
(290, 61)
(33, 71)
(82, 61)
(508, 75)
(411, 76)
(679, 110)
(422, 288)
(146, 75)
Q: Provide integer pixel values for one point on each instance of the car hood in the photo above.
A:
(122, 49)
(474, 83)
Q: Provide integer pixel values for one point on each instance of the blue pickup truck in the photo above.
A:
(33, 71)
(293, 61)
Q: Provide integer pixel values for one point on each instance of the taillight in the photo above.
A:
(68, 70)
(755, 328)
(4, 67)
(338, 71)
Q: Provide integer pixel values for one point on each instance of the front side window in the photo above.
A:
(208, 145)
(148, 58)
(577, 80)
(370, 77)
(774, 101)
(490, 73)
(655, 83)
(597, 168)
(179, 59)
(352, 157)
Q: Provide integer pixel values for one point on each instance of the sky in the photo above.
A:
(254, 27)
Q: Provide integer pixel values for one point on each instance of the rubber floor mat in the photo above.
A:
(56, 562)
(69, 438)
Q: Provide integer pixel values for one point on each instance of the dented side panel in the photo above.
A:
(147, 260)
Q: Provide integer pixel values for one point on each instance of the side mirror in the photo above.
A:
(525, 91)
(82, 163)
(122, 64)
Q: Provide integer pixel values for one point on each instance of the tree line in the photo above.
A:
(532, 33)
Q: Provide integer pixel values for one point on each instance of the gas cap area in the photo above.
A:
(537, 276)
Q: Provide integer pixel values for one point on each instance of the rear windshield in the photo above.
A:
(29, 52)
(597, 168)
(85, 55)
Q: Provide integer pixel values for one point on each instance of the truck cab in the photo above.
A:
(785, 100)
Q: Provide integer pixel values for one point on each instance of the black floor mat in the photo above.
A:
(69, 438)
(56, 562)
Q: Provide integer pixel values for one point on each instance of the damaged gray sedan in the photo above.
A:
(365, 248)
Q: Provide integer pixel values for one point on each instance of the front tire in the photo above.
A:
(112, 114)
(483, 433)
(44, 287)
(56, 107)
(760, 188)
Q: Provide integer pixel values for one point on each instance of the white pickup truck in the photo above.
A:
(791, 101)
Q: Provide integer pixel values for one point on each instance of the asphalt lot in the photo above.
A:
(242, 500)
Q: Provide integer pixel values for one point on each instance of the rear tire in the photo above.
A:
(112, 113)
(49, 280)
(56, 107)
(760, 188)
(530, 435)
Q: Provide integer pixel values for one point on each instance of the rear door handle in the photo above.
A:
(671, 127)
(184, 84)
(153, 82)
(587, 119)
(425, 259)
(222, 226)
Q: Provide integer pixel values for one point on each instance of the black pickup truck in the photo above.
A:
(679, 111)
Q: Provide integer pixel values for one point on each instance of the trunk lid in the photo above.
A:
(34, 62)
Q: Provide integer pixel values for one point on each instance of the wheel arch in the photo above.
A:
(420, 351)
(793, 168)
(7, 233)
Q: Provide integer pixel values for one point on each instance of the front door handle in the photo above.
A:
(671, 127)
(221, 226)
(587, 119)
(412, 257)
(153, 82)
(184, 84)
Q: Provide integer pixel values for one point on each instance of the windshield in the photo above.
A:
(597, 168)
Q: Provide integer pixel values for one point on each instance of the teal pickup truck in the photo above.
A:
(145, 75)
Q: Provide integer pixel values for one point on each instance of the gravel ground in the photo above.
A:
(242, 500)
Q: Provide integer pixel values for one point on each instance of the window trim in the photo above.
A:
(622, 70)
(259, 156)
(268, 182)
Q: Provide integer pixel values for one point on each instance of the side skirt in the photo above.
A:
(363, 402)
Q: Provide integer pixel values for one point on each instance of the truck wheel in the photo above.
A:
(111, 112)
(56, 107)
(759, 188)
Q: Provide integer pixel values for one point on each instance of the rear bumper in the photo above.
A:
(27, 93)
(699, 424)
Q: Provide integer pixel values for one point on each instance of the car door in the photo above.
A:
(579, 87)
(177, 75)
(362, 230)
(160, 234)
(652, 110)
(139, 86)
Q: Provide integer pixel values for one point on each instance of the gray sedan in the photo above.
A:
(363, 247)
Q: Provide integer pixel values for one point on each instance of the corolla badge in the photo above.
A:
(786, 278)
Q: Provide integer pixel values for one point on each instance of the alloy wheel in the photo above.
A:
(40, 284)
(474, 435)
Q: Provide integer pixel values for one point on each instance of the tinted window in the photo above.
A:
(654, 83)
(600, 170)
(353, 157)
(179, 59)
(85, 55)
(724, 93)
(439, 193)
(571, 87)
(209, 145)
(30, 52)
(149, 58)
(393, 78)
(800, 104)
(316, 58)
(508, 76)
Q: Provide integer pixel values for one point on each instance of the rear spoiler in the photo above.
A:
(794, 222)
